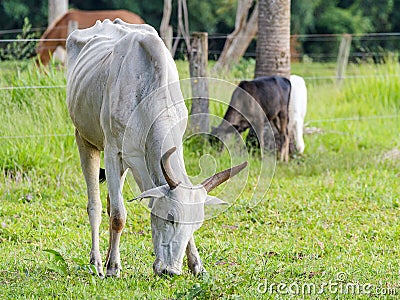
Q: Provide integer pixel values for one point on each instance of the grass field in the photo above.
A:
(328, 226)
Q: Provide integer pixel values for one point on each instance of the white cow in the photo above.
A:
(297, 110)
(122, 99)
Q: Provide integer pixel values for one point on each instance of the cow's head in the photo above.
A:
(232, 124)
(177, 211)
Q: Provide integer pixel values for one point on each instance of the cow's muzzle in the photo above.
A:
(160, 268)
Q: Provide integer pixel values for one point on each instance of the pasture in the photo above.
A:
(327, 227)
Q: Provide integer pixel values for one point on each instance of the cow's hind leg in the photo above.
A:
(90, 162)
(284, 136)
(116, 210)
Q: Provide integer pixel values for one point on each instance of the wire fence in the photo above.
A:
(32, 87)
(307, 78)
(307, 125)
(364, 46)
(318, 47)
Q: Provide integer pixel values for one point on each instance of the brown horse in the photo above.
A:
(56, 34)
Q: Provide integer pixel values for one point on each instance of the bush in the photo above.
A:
(24, 46)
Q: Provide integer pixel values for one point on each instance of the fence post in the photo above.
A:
(198, 60)
(343, 57)
(72, 25)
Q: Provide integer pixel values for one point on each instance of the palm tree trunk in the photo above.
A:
(273, 41)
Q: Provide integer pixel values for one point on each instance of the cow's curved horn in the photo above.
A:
(167, 170)
(215, 180)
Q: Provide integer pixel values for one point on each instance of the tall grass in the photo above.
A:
(34, 118)
(328, 213)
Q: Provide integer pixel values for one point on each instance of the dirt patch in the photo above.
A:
(312, 130)
(393, 154)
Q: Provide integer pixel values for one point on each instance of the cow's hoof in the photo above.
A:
(197, 269)
(163, 269)
(97, 271)
(113, 270)
(96, 267)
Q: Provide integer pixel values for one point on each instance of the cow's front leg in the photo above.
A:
(259, 130)
(116, 211)
(90, 162)
(194, 262)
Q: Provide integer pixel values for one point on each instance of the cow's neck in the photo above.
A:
(153, 158)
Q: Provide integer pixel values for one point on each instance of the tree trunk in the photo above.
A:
(183, 27)
(238, 41)
(273, 41)
(165, 28)
(56, 9)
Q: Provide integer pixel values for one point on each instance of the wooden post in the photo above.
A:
(343, 57)
(56, 9)
(72, 25)
(198, 60)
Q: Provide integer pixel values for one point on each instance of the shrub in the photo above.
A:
(24, 45)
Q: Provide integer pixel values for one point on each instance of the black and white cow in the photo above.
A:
(255, 102)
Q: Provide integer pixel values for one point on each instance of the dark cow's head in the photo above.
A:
(238, 116)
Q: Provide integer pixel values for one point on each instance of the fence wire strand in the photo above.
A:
(217, 36)
(307, 124)
(6, 88)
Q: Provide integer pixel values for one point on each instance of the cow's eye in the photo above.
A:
(170, 218)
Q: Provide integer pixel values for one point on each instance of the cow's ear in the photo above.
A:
(243, 84)
(211, 200)
(157, 192)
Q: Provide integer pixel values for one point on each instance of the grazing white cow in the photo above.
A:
(297, 110)
(122, 101)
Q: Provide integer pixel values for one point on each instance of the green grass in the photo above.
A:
(330, 216)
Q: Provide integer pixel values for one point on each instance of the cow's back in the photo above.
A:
(271, 92)
(98, 79)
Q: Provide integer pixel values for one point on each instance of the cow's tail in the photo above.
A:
(102, 175)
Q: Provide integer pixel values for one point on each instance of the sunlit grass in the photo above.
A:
(335, 209)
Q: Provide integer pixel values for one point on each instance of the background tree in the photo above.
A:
(166, 29)
(238, 41)
(13, 12)
(273, 40)
(219, 16)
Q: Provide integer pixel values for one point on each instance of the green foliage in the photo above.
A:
(337, 17)
(338, 20)
(13, 12)
(18, 50)
(57, 263)
(302, 19)
(218, 17)
(244, 69)
(377, 13)
(15, 9)
(203, 289)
